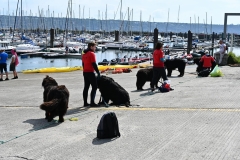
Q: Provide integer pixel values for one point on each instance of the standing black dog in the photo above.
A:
(143, 76)
(172, 64)
(111, 90)
(55, 99)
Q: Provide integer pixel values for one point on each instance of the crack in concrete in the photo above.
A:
(16, 157)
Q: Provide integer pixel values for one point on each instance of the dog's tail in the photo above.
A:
(51, 105)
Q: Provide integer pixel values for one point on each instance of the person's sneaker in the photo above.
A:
(1, 79)
(6, 79)
(15, 77)
(171, 89)
(94, 105)
(86, 104)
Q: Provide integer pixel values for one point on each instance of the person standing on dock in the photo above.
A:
(14, 63)
(66, 49)
(158, 65)
(221, 52)
(89, 65)
(3, 64)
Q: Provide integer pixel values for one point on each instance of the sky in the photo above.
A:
(182, 11)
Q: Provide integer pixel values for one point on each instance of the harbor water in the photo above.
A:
(39, 62)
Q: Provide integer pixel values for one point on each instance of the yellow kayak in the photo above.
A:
(47, 70)
(125, 66)
(145, 65)
(31, 71)
(102, 68)
(52, 69)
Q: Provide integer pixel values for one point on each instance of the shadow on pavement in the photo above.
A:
(41, 123)
(97, 141)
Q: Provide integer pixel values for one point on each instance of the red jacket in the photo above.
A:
(157, 55)
(207, 61)
(87, 59)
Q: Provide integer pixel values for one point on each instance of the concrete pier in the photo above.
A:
(198, 120)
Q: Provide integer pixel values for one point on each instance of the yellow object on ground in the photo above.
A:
(102, 68)
(145, 65)
(73, 119)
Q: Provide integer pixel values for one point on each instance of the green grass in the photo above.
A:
(233, 59)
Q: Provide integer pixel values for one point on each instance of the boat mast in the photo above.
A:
(167, 21)
(178, 13)
(106, 19)
(89, 21)
(195, 24)
(128, 22)
(198, 24)
(132, 21)
(8, 16)
(79, 18)
(21, 23)
(211, 25)
(83, 18)
(206, 23)
(120, 15)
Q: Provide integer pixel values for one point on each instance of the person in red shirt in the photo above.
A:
(158, 65)
(207, 60)
(89, 65)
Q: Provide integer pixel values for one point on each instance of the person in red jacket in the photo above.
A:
(207, 60)
(158, 65)
(89, 65)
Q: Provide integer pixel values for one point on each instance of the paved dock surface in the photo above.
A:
(199, 120)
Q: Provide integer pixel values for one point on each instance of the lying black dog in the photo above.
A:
(55, 99)
(172, 64)
(111, 90)
(143, 76)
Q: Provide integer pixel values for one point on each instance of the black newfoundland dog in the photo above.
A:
(144, 75)
(172, 64)
(55, 99)
(111, 90)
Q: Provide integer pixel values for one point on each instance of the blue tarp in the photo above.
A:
(80, 40)
(27, 40)
(137, 38)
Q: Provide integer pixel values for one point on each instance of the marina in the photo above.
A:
(192, 113)
(39, 62)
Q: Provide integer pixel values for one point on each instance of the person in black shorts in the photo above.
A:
(3, 64)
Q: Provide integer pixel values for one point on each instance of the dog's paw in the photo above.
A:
(61, 120)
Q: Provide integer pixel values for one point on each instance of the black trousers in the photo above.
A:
(158, 72)
(89, 79)
(3, 67)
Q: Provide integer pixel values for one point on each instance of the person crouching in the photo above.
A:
(207, 61)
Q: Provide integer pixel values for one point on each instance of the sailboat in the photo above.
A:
(29, 46)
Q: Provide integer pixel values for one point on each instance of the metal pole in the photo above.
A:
(213, 42)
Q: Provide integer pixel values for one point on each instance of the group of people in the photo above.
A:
(3, 64)
(158, 62)
(207, 60)
(89, 66)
